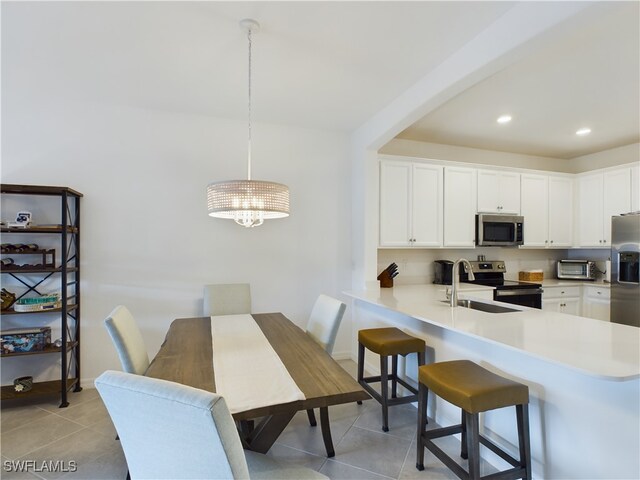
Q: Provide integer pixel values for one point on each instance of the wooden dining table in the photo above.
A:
(186, 357)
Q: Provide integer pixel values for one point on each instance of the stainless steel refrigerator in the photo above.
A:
(625, 279)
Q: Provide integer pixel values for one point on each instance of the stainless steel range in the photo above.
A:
(491, 274)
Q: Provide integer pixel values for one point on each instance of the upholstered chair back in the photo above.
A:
(170, 431)
(227, 299)
(128, 340)
(325, 320)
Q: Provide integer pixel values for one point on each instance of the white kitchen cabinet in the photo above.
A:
(561, 212)
(635, 188)
(596, 302)
(617, 197)
(459, 206)
(562, 299)
(410, 204)
(498, 192)
(600, 196)
(547, 208)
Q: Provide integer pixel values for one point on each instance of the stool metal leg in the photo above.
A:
(384, 391)
(522, 416)
(360, 362)
(423, 395)
(394, 380)
(463, 436)
(360, 366)
(473, 445)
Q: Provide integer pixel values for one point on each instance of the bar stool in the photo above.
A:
(473, 389)
(388, 342)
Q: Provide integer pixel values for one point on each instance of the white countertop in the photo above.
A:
(601, 349)
(556, 282)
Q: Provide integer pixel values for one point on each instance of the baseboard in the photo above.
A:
(341, 355)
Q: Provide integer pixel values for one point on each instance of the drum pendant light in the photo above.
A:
(248, 202)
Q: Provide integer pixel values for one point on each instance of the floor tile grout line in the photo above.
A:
(407, 454)
(360, 468)
(52, 442)
(387, 434)
(4, 432)
(73, 421)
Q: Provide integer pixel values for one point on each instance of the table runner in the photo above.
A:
(248, 372)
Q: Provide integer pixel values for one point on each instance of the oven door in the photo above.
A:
(527, 297)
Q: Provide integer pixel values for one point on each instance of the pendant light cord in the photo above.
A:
(249, 113)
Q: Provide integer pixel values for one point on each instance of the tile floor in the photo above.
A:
(83, 432)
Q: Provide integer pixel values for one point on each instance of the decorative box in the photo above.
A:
(37, 304)
(531, 276)
(21, 340)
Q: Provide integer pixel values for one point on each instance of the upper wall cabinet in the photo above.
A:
(600, 196)
(635, 188)
(459, 206)
(498, 192)
(410, 204)
(547, 208)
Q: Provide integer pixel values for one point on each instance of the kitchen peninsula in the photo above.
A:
(583, 374)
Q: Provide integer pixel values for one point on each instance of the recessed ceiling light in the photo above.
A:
(583, 131)
(504, 119)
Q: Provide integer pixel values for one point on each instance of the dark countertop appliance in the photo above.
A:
(443, 269)
(491, 274)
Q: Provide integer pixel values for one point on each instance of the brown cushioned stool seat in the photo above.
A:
(388, 342)
(474, 389)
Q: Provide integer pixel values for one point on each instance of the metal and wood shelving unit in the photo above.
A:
(66, 275)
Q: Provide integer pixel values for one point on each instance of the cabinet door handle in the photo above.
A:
(551, 241)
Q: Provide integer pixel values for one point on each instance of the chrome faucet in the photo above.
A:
(455, 279)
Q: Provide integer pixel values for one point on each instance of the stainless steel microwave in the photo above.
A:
(499, 230)
(577, 269)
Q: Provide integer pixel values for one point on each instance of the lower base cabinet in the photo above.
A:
(589, 301)
(562, 299)
(596, 302)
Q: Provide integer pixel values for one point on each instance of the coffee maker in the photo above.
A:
(443, 271)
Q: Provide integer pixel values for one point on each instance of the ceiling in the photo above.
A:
(589, 77)
(327, 65)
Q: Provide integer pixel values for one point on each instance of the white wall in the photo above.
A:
(147, 241)
(412, 148)
(416, 264)
(607, 158)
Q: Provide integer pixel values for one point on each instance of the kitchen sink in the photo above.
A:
(484, 307)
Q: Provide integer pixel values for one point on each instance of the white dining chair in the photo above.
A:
(128, 340)
(171, 431)
(324, 321)
(323, 326)
(227, 299)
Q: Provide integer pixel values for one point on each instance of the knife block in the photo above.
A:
(385, 280)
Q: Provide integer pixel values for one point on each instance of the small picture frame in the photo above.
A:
(23, 220)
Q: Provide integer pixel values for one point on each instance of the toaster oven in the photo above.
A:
(576, 269)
